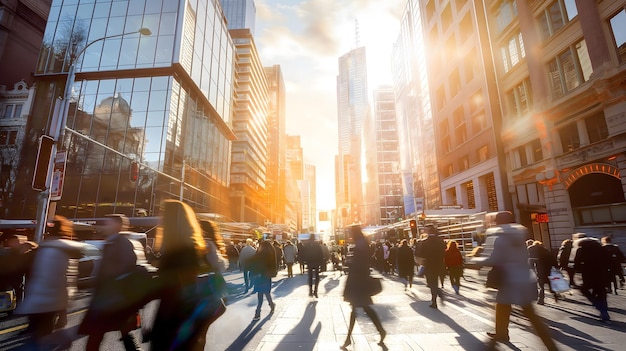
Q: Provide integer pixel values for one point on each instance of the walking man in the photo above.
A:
(244, 257)
(314, 258)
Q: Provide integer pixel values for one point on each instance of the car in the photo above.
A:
(89, 263)
(8, 301)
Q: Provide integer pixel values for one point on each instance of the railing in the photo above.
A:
(463, 233)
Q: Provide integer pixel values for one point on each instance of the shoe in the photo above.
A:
(540, 302)
(310, 293)
(257, 316)
(382, 338)
(433, 305)
(315, 294)
(498, 338)
(346, 344)
(272, 308)
(130, 342)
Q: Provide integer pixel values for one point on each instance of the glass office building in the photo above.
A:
(150, 116)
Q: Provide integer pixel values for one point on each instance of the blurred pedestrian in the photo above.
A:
(16, 260)
(518, 286)
(118, 258)
(300, 257)
(326, 257)
(278, 250)
(617, 257)
(244, 257)
(51, 281)
(563, 258)
(314, 257)
(184, 309)
(594, 264)
(356, 292)
(406, 263)
(541, 261)
(264, 267)
(433, 251)
(454, 265)
(233, 256)
(289, 252)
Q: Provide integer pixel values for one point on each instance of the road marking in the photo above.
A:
(25, 325)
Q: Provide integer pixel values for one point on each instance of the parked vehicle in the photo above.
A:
(8, 301)
(89, 262)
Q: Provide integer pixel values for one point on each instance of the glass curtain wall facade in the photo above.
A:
(160, 104)
(240, 14)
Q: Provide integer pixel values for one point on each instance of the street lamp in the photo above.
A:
(57, 128)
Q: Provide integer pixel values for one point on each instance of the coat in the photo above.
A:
(246, 253)
(52, 279)
(519, 286)
(289, 252)
(406, 261)
(433, 251)
(593, 263)
(358, 274)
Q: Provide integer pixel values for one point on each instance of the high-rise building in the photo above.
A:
(559, 64)
(250, 124)
(160, 103)
(389, 203)
(240, 14)
(465, 106)
(311, 177)
(295, 172)
(352, 109)
(418, 154)
(276, 145)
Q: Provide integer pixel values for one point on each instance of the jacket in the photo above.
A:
(244, 256)
(519, 286)
(52, 279)
(289, 252)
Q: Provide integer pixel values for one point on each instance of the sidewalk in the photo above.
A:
(303, 323)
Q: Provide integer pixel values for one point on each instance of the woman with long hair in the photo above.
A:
(356, 292)
(263, 267)
(454, 265)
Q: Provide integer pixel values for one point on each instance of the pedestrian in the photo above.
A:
(289, 253)
(355, 291)
(16, 260)
(278, 250)
(594, 264)
(563, 257)
(326, 252)
(379, 257)
(541, 261)
(264, 267)
(433, 251)
(233, 256)
(51, 281)
(118, 258)
(406, 263)
(393, 259)
(454, 265)
(617, 257)
(244, 257)
(314, 258)
(183, 309)
(518, 285)
(300, 257)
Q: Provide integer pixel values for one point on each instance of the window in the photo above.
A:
(555, 16)
(444, 131)
(505, 13)
(465, 28)
(477, 102)
(460, 134)
(569, 137)
(569, 69)
(537, 152)
(479, 122)
(441, 97)
(519, 98)
(470, 66)
(455, 83)
(12, 111)
(8, 137)
(512, 52)
(520, 152)
(596, 127)
(464, 163)
(483, 153)
(618, 28)
(446, 19)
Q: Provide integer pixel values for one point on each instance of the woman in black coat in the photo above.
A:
(356, 292)
(263, 268)
(406, 263)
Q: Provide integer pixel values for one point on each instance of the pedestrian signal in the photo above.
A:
(413, 225)
(42, 164)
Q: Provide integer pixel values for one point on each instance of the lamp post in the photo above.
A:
(57, 129)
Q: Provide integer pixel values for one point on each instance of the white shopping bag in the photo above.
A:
(558, 284)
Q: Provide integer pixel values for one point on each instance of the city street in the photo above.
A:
(301, 322)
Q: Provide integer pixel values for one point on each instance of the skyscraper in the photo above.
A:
(277, 145)
(240, 14)
(352, 107)
(161, 101)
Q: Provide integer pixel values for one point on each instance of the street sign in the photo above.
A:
(56, 188)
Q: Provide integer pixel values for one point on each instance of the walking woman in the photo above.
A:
(264, 267)
(406, 263)
(454, 265)
(356, 292)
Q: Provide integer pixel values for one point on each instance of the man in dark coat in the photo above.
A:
(542, 261)
(617, 257)
(314, 258)
(595, 265)
(433, 251)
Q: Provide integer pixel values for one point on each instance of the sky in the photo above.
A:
(306, 38)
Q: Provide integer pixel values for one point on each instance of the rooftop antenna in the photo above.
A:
(357, 35)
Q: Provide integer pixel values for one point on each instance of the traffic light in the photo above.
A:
(42, 164)
(133, 173)
(413, 225)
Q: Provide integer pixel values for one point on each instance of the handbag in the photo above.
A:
(126, 294)
(558, 284)
(374, 286)
(495, 278)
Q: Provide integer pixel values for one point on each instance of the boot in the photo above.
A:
(456, 289)
(131, 343)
